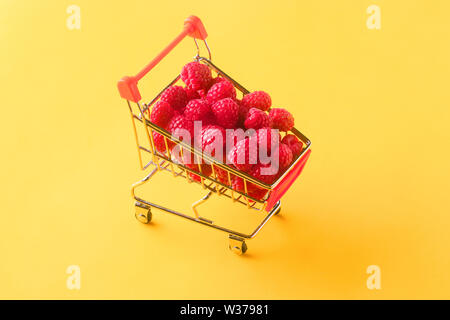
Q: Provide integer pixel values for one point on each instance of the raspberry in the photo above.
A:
(196, 75)
(226, 112)
(235, 135)
(264, 173)
(267, 138)
(256, 119)
(244, 154)
(179, 122)
(257, 99)
(217, 80)
(180, 133)
(221, 90)
(161, 114)
(175, 96)
(182, 156)
(258, 193)
(212, 140)
(198, 110)
(243, 111)
(206, 170)
(238, 184)
(195, 94)
(281, 119)
(222, 175)
(252, 189)
(191, 93)
(160, 145)
(294, 144)
(202, 93)
(284, 155)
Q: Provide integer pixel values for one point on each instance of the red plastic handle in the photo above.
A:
(127, 86)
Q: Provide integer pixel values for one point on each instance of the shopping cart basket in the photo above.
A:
(140, 115)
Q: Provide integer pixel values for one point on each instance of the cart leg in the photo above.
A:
(279, 208)
(237, 244)
(199, 202)
(143, 212)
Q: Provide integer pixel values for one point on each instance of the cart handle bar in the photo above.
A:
(127, 86)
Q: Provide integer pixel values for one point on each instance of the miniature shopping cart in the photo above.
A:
(140, 114)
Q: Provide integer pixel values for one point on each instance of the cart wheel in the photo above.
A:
(143, 213)
(237, 245)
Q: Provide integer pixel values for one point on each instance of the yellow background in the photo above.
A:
(375, 104)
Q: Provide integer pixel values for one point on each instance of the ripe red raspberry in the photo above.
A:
(258, 193)
(244, 155)
(222, 175)
(238, 185)
(221, 90)
(195, 94)
(281, 119)
(243, 111)
(161, 114)
(256, 119)
(196, 75)
(206, 170)
(257, 99)
(199, 110)
(179, 122)
(235, 135)
(217, 80)
(181, 134)
(182, 155)
(160, 145)
(175, 96)
(284, 155)
(266, 173)
(252, 189)
(191, 93)
(268, 138)
(226, 112)
(294, 144)
(211, 140)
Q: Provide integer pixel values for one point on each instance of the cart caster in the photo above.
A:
(143, 213)
(237, 245)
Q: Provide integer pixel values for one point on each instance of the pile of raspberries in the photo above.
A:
(213, 101)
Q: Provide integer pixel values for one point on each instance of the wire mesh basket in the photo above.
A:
(220, 181)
